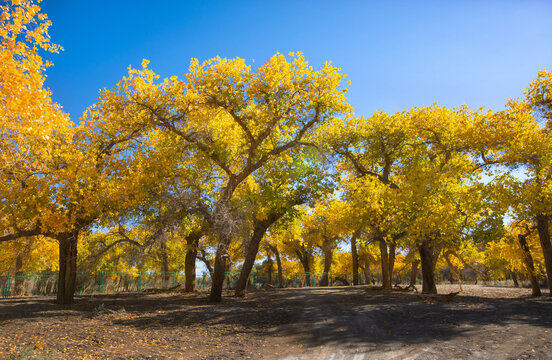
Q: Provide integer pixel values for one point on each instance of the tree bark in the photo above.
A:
(426, 259)
(259, 229)
(385, 278)
(368, 274)
(354, 255)
(304, 258)
(528, 260)
(544, 237)
(217, 278)
(67, 267)
(192, 242)
(414, 272)
(515, 279)
(327, 248)
(19, 279)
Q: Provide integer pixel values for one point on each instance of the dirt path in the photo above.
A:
(320, 323)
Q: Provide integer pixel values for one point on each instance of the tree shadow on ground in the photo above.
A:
(315, 317)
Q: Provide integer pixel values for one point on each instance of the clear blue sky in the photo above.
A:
(398, 54)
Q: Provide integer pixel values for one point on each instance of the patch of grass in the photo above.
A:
(34, 353)
(99, 310)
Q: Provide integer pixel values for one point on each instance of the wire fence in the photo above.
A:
(45, 284)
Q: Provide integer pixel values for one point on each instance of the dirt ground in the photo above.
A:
(309, 323)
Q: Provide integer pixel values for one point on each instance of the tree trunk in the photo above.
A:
(414, 272)
(368, 275)
(354, 255)
(426, 259)
(544, 237)
(192, 242)
(259, 229)
(385, 278)
(217, 279)
(279, 265)
(19, 279)
(528, 260)
(392, 248)
(304, 258)
(328, 257)
(67, 267)
(515, 279)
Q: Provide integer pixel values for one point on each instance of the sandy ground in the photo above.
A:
(320, 323)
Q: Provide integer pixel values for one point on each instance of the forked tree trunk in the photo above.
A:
(354, 255)
(414, 272)
(217, 279)
(528, 260)
(426, 259)
(385, 278)
(259, 229)
(192, 242)
(544, 237)
(67, 267)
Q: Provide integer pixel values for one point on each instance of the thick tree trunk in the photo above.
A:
(19, 279)
(304, 258)
(385, 278)
(192, 242)
(259, 229)
(528, 260)
(217, 278)
(426, 259)
(328, 257)
(368, 274)
(414, 272)
(544, 237)
(67, 267)
(354, 255)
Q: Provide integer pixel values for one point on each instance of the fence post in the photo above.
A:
(34, 283)
(296, 280)
(314, 281)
